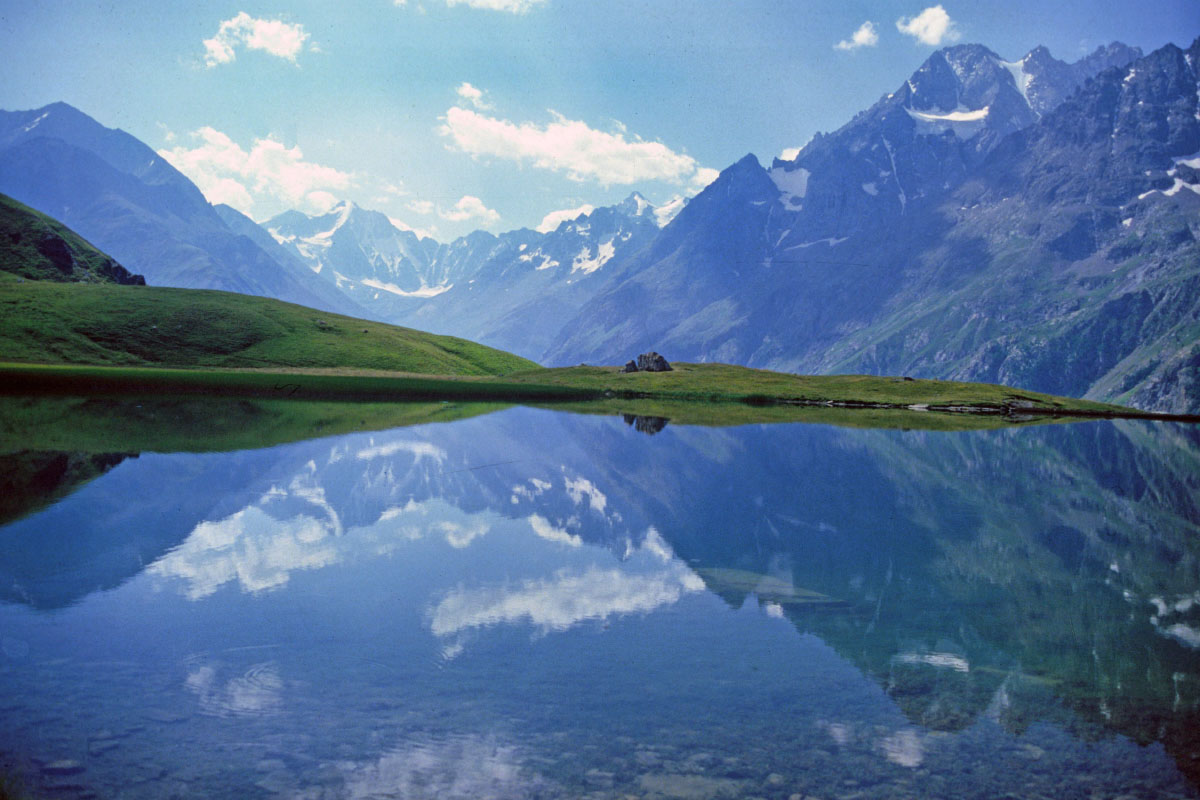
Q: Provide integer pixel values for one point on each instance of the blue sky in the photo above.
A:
(452, 115)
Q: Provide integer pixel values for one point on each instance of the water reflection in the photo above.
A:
(536, 604)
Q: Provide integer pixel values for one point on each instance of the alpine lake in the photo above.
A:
(240, 599)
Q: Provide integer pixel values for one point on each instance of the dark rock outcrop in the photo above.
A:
(652, 362)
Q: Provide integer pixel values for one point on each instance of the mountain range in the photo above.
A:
(125, 199)
(1026, 222)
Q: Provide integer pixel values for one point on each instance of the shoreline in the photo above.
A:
(529, 387)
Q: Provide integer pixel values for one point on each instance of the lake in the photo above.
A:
(530, 603)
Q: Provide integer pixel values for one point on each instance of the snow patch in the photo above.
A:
(424, 291)
(942, 660)
(871, 189)
(1021, 78)
(963, 122)
(586, 264)
(1179, 184)
(34, 124)
(668, 211)
(792, 184)
(832, 241)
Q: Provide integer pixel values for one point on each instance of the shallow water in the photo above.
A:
(538, 604)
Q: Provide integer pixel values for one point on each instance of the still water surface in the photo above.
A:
(535, 604)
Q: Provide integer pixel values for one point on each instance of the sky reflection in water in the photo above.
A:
(535, 604)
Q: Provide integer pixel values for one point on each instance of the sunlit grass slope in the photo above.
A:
(43, 322)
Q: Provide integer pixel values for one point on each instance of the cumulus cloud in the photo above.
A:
(273, 36)
(472, 95)
(702, 177)
(421, 206)
(552, 220)
(470, 207)
(789, 154)
(932, 26)
(226, 172)
(865, 36)
(572, 147)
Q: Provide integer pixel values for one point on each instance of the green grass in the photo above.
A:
(45, 322)
(722, 414)
(135, 424)
(695, 394)
(726, 383)
(23, 237)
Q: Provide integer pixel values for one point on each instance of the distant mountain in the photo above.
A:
(35, 247)
(512, 291)
(124, 198)
(1030, 222)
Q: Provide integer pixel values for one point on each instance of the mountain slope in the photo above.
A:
(965, 227)
(513, 291)
(35, 247)
(123, 197)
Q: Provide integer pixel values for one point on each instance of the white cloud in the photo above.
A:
(320, 200)
(582, 488)
(570, 146)
(273, 36)
(421, 206)
(472, 95)
(552, 220)
(511, 6)
(701, 178)
(228, 173)
(419, 451)
(542, 527)
(470, 207)
(932, 26)
(562, 601)
(865, 36)
(789, 154)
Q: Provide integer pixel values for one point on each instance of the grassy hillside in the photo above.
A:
(45, 322)
(35, 247)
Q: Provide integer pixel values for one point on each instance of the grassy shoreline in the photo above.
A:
(594, 389)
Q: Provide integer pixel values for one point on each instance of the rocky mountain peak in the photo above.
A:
(635, 206)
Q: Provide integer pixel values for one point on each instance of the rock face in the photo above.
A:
(630, 366)
(652, 362)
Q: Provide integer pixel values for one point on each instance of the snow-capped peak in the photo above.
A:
(635, 206)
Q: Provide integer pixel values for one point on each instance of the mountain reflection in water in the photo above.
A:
(531, 604)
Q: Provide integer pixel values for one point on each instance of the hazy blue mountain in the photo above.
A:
(124, 198)
(1027, 222)
(514, 291)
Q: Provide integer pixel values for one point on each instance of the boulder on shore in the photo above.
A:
(630, 366)
(652, 362)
